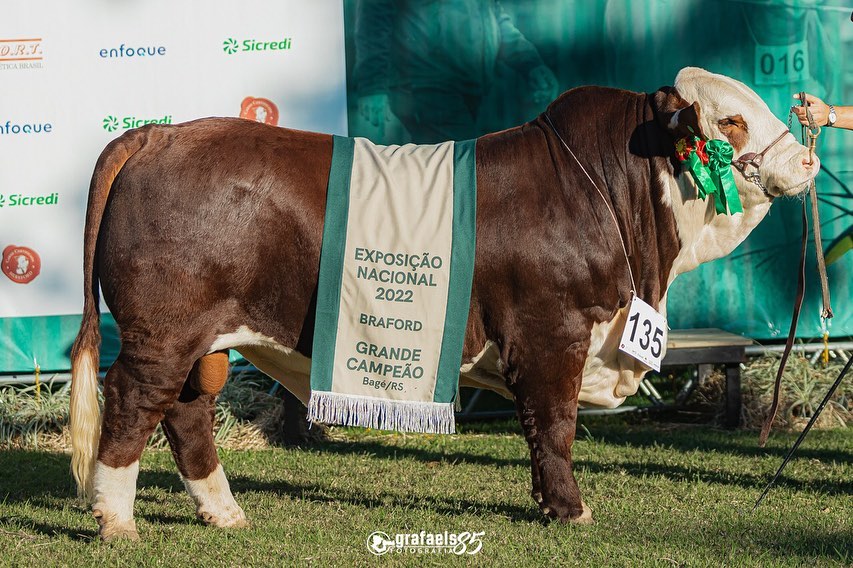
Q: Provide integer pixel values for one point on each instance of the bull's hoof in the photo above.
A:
(562, 515)
(227, 518)
(110, 529)
(585, 518)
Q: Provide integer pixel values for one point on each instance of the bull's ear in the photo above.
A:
(675, 114)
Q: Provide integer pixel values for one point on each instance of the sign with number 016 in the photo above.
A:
(644, 336)
(782, 64)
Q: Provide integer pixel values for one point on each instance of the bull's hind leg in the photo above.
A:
(188, 425)
(138, 389)
(546, 398)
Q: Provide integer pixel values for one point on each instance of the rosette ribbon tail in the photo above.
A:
(720, 154)
(704, 182)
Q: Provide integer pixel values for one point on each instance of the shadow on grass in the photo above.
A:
(703, 438)
(392, 451)
(315, 492)
(12, 524)
(762, 539)
(756, 481)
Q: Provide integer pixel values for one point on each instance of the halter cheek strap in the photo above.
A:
(755, 160)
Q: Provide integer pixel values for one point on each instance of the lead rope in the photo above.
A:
(812, 132)
(601, 194)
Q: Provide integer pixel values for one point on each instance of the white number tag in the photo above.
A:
(781, 64)
(644, 337)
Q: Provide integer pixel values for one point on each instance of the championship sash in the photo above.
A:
(395, 285)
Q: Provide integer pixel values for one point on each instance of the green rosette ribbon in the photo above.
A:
(709, 162)
(720, 154)
(704, 182)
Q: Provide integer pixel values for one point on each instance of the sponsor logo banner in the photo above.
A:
(231, 45)
(21, 200)
(10, 127)
(259, 110)
(20, 264)
(111, 123)
(75, 75)
(22, 53)
(125, 52)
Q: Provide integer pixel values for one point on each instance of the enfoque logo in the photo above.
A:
(21, 53)
(422, 542)
(232, 45)
(126, 52)
(111, 122)
(22, 128)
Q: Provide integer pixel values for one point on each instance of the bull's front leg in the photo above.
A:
(546, 397)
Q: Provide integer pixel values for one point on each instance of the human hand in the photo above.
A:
(818, 108)
(543, 84)
(374, 109)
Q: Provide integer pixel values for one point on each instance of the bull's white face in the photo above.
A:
(732, 111)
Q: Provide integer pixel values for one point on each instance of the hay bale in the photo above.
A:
(802, 389)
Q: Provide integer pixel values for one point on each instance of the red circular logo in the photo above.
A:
(259, 110)
(21, 264)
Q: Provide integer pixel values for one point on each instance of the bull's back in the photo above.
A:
(214, 222)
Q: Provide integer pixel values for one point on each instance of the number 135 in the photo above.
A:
(647, 338)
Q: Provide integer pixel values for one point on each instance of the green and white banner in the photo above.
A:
(395, 285)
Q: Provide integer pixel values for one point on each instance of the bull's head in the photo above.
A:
(726, 109)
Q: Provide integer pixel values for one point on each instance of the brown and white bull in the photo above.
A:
(206, 236)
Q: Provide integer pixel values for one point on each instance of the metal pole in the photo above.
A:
(805, 431)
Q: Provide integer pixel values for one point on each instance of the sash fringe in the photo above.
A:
(382, 414)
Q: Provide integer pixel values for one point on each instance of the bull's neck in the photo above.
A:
(705, 235)
(625, 167)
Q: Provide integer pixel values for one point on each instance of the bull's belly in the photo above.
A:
(609, 375)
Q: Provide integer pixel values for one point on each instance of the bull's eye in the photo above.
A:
(735, 129)
(735, 121)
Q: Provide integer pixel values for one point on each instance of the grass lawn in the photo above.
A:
(661, 496)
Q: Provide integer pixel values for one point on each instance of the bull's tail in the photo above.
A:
(85, 409)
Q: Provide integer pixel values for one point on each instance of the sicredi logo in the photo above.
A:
(23, 53)
(112, 123)
(21, 200)
(25, 127)
(232, 46)
(123, 51)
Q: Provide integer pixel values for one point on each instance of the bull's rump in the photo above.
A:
(212, 225)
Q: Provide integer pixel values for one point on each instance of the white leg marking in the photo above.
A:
(586, 516)
(115, 491)
(215, 505)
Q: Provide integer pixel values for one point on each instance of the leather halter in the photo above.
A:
(755, 160)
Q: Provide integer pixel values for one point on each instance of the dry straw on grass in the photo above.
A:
(243, 416)
(803, 387)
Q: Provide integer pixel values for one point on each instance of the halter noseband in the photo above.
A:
(755, 160)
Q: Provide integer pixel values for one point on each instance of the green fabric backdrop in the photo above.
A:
(641, 45)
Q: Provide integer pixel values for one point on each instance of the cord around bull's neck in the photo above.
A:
(604, 199)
